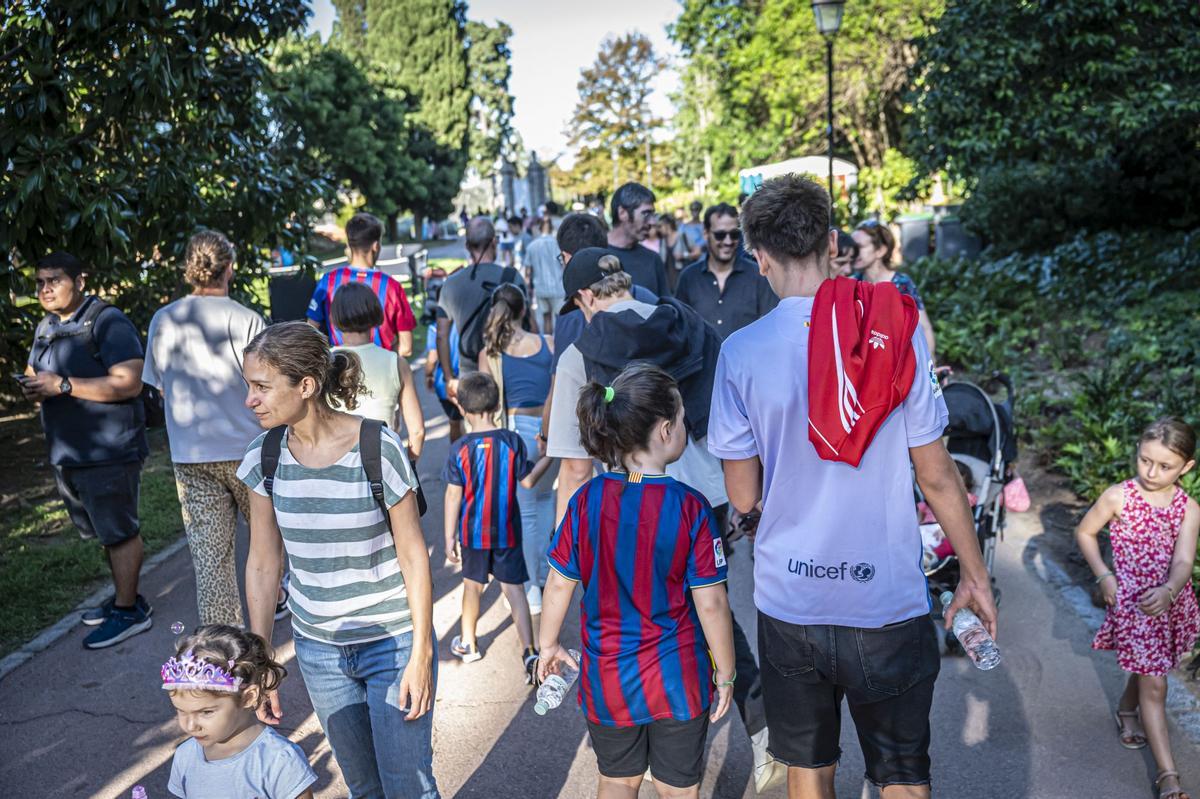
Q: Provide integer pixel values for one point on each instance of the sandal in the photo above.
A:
(469, 654)
(1170, 793)
(1129, 740)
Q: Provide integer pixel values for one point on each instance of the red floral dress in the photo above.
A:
(1143, 542)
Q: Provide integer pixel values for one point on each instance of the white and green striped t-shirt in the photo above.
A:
(346, 586)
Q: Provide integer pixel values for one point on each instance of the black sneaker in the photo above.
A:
(117, 626)
(97, 615)
(530, 661)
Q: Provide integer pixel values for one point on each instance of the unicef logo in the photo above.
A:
(862, 572)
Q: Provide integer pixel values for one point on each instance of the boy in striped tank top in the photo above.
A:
(483, 521)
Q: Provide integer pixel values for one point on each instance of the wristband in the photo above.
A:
(1101, 577)
(727, 682)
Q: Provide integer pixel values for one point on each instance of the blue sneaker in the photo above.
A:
(117, 626)
(97, 615)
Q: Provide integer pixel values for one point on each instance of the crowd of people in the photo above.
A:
(625, 403)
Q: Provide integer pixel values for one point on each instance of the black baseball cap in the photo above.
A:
(581, 271)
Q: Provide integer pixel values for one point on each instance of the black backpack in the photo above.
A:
(151, 397)
(470, 341)
(372, 460)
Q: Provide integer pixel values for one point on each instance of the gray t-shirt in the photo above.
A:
(194, 356)
(272, 767)
(465, 298)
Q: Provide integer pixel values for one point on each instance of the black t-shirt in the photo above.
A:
(644, 266)
(82, 432)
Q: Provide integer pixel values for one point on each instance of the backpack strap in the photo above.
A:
(269, 455)
(369, 435)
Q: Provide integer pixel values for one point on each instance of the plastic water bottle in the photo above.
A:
(551, 692)
(973, 636)
(138, 792)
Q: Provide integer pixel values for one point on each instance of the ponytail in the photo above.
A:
(345, 381)
(508, 306)
(617, 420)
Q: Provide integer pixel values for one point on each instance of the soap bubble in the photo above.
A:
(177, 627)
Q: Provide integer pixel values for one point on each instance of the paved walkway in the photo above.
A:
(94, 724)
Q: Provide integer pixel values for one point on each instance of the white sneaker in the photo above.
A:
(768, 772)
(534, 596)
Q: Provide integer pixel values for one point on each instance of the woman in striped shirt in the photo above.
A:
(361, 592)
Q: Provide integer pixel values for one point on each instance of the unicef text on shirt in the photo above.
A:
(858, 572)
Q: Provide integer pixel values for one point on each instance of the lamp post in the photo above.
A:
(828, 14)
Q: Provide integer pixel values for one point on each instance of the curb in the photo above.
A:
(48, 636)
(1182, 703)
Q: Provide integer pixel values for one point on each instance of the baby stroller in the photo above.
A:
(982, 441)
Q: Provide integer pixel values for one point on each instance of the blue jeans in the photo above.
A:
(355, 691)
(537, 505)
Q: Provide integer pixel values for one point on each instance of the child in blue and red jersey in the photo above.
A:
(483, 522)
(655, 613)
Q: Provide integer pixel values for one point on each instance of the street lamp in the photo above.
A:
(828, 14)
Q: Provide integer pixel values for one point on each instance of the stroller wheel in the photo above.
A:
(953, 647)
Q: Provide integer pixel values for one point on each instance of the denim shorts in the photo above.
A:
(886, 676)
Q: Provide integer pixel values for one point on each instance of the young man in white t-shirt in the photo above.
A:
(843, 603)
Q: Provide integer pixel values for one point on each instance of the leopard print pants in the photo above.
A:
(210, 496)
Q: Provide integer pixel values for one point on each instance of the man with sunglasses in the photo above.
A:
(632, 218)
(724, 286)
(85, 368)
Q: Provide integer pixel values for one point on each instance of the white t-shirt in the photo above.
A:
(194, 356)
(836, 544)
(696, 467)
(382, 379)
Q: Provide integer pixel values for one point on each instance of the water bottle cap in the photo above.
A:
(540, 708)
(946, 598)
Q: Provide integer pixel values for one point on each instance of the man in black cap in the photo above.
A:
(669, 334)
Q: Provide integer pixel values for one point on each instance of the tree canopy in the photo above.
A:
(126, 127)
(489, 60)
(1073, 107)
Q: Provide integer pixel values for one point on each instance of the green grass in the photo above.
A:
(46, 569)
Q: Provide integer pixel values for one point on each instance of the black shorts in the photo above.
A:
(886, 676)
(674, 750)
(507, 565)
(451, 410)
(102, 501)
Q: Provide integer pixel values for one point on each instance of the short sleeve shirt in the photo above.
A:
(645, 266)
(488, 466)
(397, 315)
(271, 766)
(194, 356)
(837, 544)
(638, 544)
(346, 586)
(82, 432)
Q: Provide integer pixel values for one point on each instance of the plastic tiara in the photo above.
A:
(191, 672)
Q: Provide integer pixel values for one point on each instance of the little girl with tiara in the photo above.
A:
(217, 679)
(1153, 617)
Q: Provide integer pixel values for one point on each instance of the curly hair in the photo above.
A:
(209, 254)
(252, 659)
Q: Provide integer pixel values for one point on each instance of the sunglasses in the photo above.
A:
(721, 235)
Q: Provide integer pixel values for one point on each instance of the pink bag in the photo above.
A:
(1016, 495)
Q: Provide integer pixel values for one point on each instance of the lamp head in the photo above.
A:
(828, 14)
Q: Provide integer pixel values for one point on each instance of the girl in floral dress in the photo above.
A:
(1153, 618)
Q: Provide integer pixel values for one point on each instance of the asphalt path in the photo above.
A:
(75, 723)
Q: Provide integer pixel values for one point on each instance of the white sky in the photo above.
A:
(551, 43)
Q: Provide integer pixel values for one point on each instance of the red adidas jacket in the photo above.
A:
(860, 364)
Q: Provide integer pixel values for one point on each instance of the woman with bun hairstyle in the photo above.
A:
(360, 593)
(194, 357)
